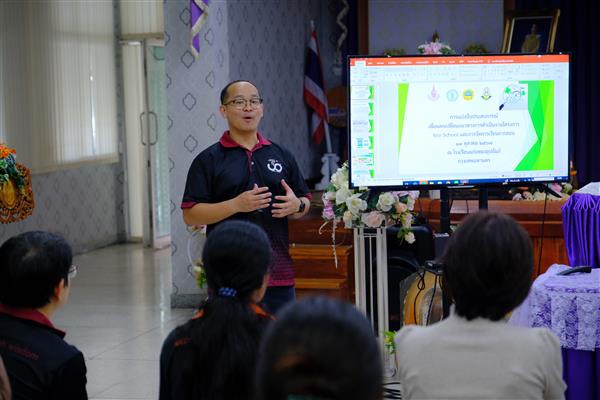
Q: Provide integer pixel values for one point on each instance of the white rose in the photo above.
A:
(335, 180)
(409, 237)
(340, 178)
(356, 204)
(342, 195)
(386, 201)
(329, 196)
(348, 218)
(540, 196)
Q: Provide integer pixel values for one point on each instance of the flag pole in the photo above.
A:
(329, 159)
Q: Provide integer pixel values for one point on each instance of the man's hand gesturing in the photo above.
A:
(254, 199)
(289, 203)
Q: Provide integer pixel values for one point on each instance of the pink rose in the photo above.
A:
(400, 207)
(373, 219)
(556, 187)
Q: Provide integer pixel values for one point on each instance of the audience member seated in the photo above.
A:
(5, 393)
(319, 348)
(213, 356)
(35, 278)
(474, 354)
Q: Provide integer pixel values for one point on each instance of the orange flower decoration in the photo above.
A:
(5, 151)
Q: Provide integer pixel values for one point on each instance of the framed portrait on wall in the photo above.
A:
(530, 31)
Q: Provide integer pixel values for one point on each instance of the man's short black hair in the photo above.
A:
(226, 88)
(488, 266)
(32, 265)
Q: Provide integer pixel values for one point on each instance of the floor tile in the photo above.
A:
(118, 315)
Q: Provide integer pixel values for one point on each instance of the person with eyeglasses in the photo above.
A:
(247, 177)
(35, 280)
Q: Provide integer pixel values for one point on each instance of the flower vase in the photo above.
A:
(389, 364)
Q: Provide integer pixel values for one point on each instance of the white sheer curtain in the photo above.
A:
(142, 18)
(58, 84)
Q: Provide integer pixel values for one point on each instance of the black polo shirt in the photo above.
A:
(226, 169)
(178, 353)
(39, 363)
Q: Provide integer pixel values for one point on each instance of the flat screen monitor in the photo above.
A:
(439, 121)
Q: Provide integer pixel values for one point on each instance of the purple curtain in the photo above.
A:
(577, 34)
(581, 227)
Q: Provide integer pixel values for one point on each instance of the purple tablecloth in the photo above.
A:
(581, 227)
(570, 307)
(581, 372)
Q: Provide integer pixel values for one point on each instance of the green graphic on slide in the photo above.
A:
(402, 97)
(541, 111)
(371, 92)
(370, 109)
(371, 125)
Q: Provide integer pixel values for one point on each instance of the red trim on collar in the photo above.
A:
(228, 142)
(258, 310)
(30, 314)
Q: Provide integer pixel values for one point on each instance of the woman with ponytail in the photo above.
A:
(213, 356)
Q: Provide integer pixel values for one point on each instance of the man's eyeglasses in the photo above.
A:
(72, 272)
(240, 104)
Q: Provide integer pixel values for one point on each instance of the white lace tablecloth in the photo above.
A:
(567, 305)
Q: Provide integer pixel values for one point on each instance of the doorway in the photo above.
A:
(146, 149)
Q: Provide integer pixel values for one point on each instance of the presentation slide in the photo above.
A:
(458, 120)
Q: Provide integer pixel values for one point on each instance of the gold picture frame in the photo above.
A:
(530, 31)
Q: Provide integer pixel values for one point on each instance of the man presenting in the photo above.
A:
(245, 176)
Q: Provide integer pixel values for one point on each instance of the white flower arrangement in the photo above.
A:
(532, 194)
(362, 208)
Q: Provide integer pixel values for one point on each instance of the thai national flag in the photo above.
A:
(314, 93)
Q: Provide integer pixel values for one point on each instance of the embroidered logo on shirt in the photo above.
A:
(274, 165)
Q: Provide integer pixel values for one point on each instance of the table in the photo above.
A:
(529, 214)
(570, 307)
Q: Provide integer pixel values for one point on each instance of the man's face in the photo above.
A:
(242, 117)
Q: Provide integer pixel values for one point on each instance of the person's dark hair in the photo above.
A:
(224, 92)
(320, 348)
(236, 258)
(488, 266)
(32, 265)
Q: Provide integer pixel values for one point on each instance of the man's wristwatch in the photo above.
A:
(302, 207)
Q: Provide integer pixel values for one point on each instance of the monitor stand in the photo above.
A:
(445, 228)
(483, 198)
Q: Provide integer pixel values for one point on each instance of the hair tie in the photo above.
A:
(227, 292)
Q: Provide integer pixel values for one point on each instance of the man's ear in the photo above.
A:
(223, 111)
(60, 289)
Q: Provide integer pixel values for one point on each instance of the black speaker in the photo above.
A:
(403, 260)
